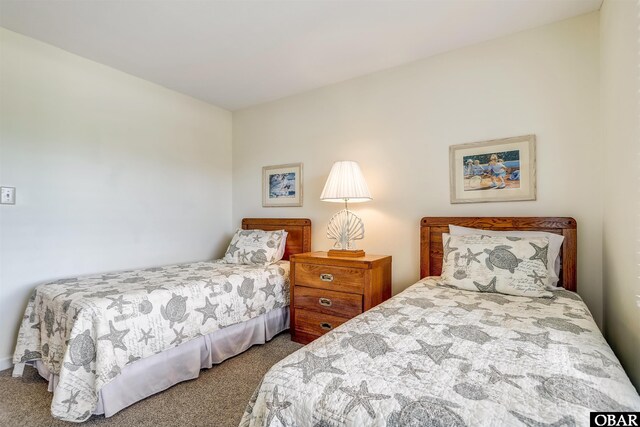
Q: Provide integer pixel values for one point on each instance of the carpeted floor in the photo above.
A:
(217, 398)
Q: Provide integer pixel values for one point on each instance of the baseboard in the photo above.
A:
(5, 363)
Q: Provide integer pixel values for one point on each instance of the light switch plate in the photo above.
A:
(8, 195)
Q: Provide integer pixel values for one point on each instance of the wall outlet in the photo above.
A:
(7, 195)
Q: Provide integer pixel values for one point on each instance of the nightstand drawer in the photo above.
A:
(317, 324)
(328, 302)
(330, 277)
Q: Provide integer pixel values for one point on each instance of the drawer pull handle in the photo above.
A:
(326, 277)
(325, 302)
(326, 326)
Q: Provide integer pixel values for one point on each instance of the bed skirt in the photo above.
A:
(156, 373)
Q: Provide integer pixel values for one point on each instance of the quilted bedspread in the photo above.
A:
(435, 355)
(87, 329)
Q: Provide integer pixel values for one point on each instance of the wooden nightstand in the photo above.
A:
(328, 291)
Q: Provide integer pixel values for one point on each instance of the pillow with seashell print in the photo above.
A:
(505, 264)
(256, 247)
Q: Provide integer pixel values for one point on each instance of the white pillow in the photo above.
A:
(553, 254)
(506, 264)
(255, 247)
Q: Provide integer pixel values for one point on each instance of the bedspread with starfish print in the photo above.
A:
(87, 329)
(436, 355)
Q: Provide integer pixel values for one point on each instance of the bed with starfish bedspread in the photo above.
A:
(436, 355)
(87, 330)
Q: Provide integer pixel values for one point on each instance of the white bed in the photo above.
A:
(440, 355)
(106, 341)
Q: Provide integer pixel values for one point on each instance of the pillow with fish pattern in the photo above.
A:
(505, 264)
(255, 247)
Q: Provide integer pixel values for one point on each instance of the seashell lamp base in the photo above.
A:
(345, 227)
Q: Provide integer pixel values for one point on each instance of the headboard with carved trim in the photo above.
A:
(431, 229)
(299, 229)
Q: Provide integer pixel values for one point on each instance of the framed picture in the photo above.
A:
(282, 185)
(500, 170)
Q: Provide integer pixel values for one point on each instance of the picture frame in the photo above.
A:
(282, 185)
(498, 170)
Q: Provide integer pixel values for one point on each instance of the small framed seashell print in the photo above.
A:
(282, 185)
(499, 170)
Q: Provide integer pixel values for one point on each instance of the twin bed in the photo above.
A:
(431, 355)
(435, 355)
(107, 341)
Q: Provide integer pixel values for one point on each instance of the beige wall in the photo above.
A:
(112, 172)
(400, 123)
(620, 90)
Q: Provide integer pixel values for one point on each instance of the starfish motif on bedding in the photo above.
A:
(489, 287)
(179, 336)
(537, 277)
(409, 370)
(132, 359)
(233, 248)
(71, 400)
(115, 336)
(249, 311)
(541, 253)
(468, 307)
(542, 340)
(520, 352)
(437, 353)
(151, 288)
(361, 397)
(69, 292)
(117, 303)
(59, 327)
(276, 407)
(495, 376)
(312, 365)
(450, 313)
(146, 336)
(447, 249)
(268, 289)
(470, 256)
(211, 285)
(103, 294)
(208, 311)
(423, 322)
(507, 317)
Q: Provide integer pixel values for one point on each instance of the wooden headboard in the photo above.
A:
(431, 229)
(299, 229)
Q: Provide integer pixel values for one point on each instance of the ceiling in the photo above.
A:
(235, 54)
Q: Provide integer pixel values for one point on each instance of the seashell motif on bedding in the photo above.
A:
(345, 227)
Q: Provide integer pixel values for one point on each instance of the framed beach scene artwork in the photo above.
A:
(499, 170)
(282, 185)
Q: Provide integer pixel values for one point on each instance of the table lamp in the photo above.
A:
(345, 184)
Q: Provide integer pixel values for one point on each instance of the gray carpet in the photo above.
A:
(217, 398)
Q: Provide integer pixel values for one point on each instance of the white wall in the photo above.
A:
(620, 88)
(112, 172)
(400, 123)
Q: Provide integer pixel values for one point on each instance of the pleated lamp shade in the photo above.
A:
(346, 182)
